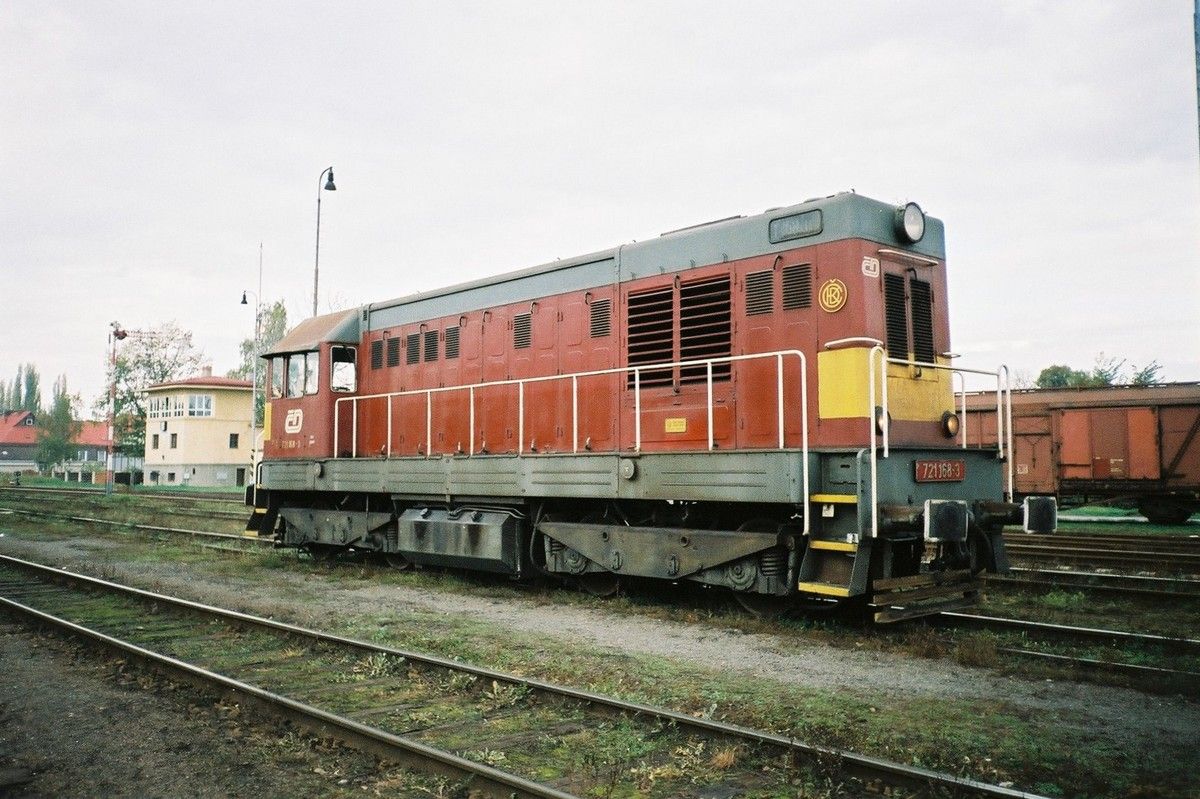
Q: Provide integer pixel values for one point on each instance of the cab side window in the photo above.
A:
(295, 375)
(277, 371)
(342, 375)
(312, 371)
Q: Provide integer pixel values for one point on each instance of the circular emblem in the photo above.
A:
(832, 296)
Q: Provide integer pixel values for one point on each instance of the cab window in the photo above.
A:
(276, 377)
(342, 375)
(312, 371)
(295, 375)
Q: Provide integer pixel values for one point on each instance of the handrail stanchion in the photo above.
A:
(804, 434)
(337, 418)
(709, 365)
(962, 397)
(999, 416)
(520, 417)
(428, 423)
(389, 441)
(871, 423)
(574, 413)
(637, 409)
(354, 432)
(1008, 429)
(779, 400)
(471, 419)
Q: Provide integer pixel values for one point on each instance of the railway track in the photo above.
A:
(1100, 583)
(252, 541)
(1159, 560)
(142, 494)
(1036, 633)
(506, 735)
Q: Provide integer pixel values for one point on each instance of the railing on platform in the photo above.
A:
(878, 415)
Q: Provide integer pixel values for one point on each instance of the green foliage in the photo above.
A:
(144, 359)
(24, 393)
(272, 325)
(57, 429)
(1107, 371)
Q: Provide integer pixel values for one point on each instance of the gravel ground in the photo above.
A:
(1117, 716)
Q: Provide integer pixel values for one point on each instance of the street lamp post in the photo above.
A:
(116, 333)
(317, 257)
(254, 374)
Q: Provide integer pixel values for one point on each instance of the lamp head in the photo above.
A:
(244, 299)
(329, 183)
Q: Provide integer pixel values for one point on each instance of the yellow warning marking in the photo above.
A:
(836, 546)
(676, 424)
(836, 499)
(824, 588)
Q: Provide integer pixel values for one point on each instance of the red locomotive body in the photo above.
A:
(748, 403)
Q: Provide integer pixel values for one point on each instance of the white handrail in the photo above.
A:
(574, 377)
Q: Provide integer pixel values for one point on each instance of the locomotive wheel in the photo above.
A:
(396, 561)
(762, 606)
(600, 584)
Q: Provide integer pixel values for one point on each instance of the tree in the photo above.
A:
(1107, 371)
(57, 430)
(145, 358)
(272, 325)
(24, 393)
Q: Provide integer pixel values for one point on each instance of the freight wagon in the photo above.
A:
(1115, 444)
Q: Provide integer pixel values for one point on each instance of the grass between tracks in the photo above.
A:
(992, 740)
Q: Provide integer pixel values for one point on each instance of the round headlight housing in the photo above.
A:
(910, 222)
(883, 421)
(950, 424)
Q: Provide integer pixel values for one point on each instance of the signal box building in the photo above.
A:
(198, 432)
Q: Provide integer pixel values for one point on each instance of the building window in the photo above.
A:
(200, 405)
(154, 441)
(170, 477)
(176, 406)
(233, 440)
(174, 441)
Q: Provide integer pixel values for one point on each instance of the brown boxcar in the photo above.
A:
(1136, 444)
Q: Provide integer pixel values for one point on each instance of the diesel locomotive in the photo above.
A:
(765, 404)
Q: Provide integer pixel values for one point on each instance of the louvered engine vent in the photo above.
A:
(797, 287)
(377, 354)
(431, 345)
(451, 343)
(896, 311)
(522, 331)
(412, 347)
(760, 292)
(922, 320)
(650, 318)
(393, 351)
(601, 318)
(705, 328)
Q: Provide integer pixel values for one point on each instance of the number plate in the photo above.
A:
(943, 471)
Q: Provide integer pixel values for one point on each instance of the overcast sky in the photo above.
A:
(146, 149)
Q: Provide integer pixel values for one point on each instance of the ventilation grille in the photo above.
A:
(922, 320)
(601, 318)
(377, 354)
(412, 346)
(797, 287)
(896, 312)
(650, 320)
(393, 352)
(522, 331)
(431, 345)
(760, 292)
(705, 328)
(451, 343)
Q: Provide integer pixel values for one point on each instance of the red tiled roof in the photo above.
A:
(212, 382)
(13, 429)
(15, 432)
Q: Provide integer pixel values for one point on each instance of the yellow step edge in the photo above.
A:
(824, 588)
(837, 546)
(833, 499)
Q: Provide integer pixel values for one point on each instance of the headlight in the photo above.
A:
(910, 222)
(882, 421)
(950, 424)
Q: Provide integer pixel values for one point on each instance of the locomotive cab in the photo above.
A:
(310, 369)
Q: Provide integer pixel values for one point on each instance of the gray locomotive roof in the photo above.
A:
(337, 326)
(845, 215)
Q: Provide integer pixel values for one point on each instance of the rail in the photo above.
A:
(636, 371)
(879, 427)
